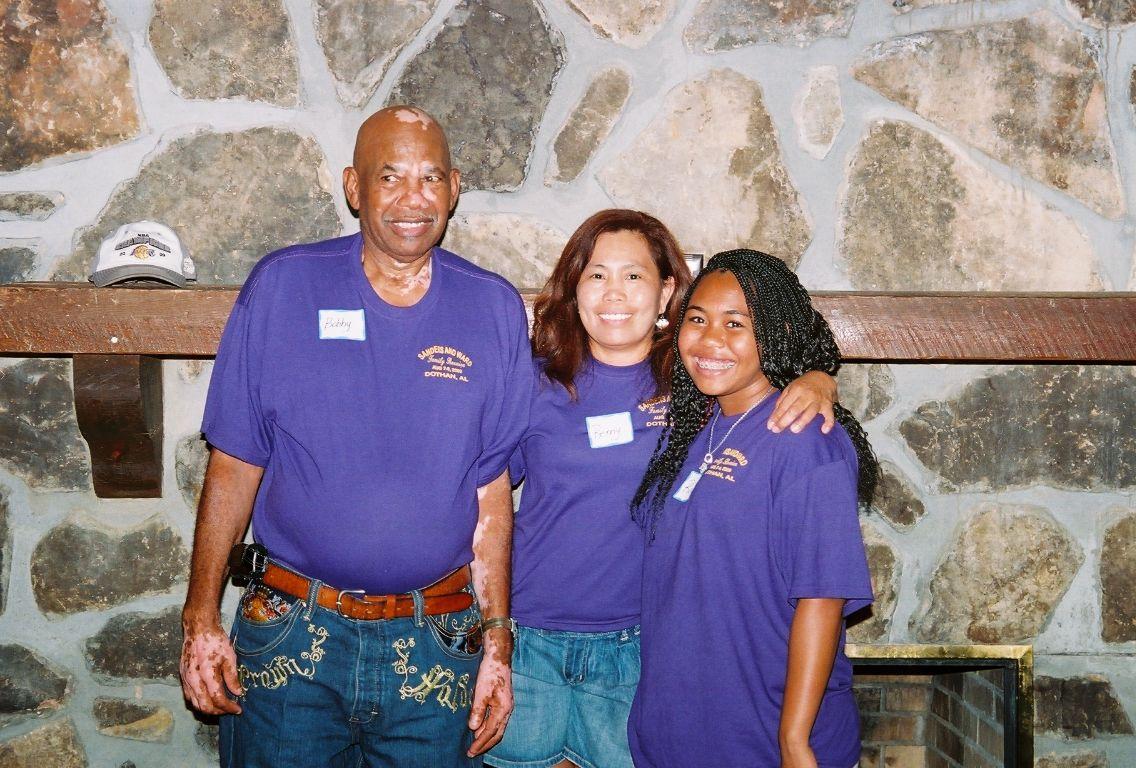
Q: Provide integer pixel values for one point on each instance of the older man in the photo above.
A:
(366, 397)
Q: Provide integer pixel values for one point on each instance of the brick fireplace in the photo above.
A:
(944, 706)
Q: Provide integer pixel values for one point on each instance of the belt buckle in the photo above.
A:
(339, 600)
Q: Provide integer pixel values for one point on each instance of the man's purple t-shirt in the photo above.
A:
(375, 424)
(774, 519)
(577, 555)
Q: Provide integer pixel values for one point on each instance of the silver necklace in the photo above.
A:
(708, 459)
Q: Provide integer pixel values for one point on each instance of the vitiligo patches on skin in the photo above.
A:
(409, 115)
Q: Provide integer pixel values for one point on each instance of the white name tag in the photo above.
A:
(610, 429)
(687, 487)
(342, 324)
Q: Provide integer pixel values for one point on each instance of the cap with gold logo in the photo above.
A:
(144, 251)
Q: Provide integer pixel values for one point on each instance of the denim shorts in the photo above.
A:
(572, 693)
(325, 690)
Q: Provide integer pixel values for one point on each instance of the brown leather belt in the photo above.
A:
(443, 596)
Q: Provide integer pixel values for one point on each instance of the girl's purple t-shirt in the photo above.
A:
(375, 424)
(577, 555)
(774, 519)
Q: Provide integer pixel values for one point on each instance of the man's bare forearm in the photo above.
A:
(492, 547)
(222, 517)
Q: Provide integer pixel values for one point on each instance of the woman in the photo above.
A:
(755, 554)
(603, 360)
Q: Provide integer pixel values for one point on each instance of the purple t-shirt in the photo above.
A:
(774, 519)
(375, 424)
(577, 555)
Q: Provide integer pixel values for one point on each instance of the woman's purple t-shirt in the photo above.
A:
(774, 519)
(577, 555)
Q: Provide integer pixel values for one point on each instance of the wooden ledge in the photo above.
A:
(115, 334)
(38, 319)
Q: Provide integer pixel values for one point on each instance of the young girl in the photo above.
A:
(603, 360)
(754, 552)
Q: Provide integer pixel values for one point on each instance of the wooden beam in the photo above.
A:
(118, 404)
(75, 318)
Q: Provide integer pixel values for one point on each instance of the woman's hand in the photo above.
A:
(802, 400)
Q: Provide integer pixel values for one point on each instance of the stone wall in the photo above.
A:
(902, 144)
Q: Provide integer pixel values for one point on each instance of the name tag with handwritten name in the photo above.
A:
(342, 324)
(610, 429)
(687, 487)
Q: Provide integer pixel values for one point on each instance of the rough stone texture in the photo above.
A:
(208, 735)
(67, 85)
(191, 370)
(1106, 13)
(76, 567)
(895, 499)
(136, 720)
(1118, 581)
(520, 248)
(190, 458)
(866, 390)
(630, 22)
(1078, 707)
(501, 56)
(903, 6)
(230, 197)
(1000, 579)
(1028, 92)
(56, 745)
(818, 112)
(360, 39)
(39, 438)
(1092, 759)
(733, 189)
(589, 124)
(137, 645)
(918, 215)
(1064, 426)
(30, 206)
(886, 568)
(240, 48)
(16, 263)
(722, 25)
(30, 686)
(5, 548)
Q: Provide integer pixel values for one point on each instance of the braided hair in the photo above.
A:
(792, 338)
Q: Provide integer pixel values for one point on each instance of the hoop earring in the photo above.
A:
(662, 323)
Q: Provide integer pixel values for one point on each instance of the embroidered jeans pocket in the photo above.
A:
(264, 619)
(458, 635)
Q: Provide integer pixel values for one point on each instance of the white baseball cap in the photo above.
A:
(144, 250)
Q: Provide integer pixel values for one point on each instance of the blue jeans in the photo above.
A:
(572, 693)
(324, 690)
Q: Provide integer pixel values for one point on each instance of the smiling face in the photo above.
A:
(402, 185)
(619, 297)
(717, 345)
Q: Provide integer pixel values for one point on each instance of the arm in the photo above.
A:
(814, 392)
(492, 551)
(813, 639)
(208, 664)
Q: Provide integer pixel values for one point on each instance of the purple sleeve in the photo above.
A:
(821, 548)
(233, 422)
(517, 468)
(506, 420)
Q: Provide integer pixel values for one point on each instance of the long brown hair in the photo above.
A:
(558, 334)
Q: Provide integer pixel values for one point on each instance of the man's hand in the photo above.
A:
(493, 694)
(209, 668)
(801, 400)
